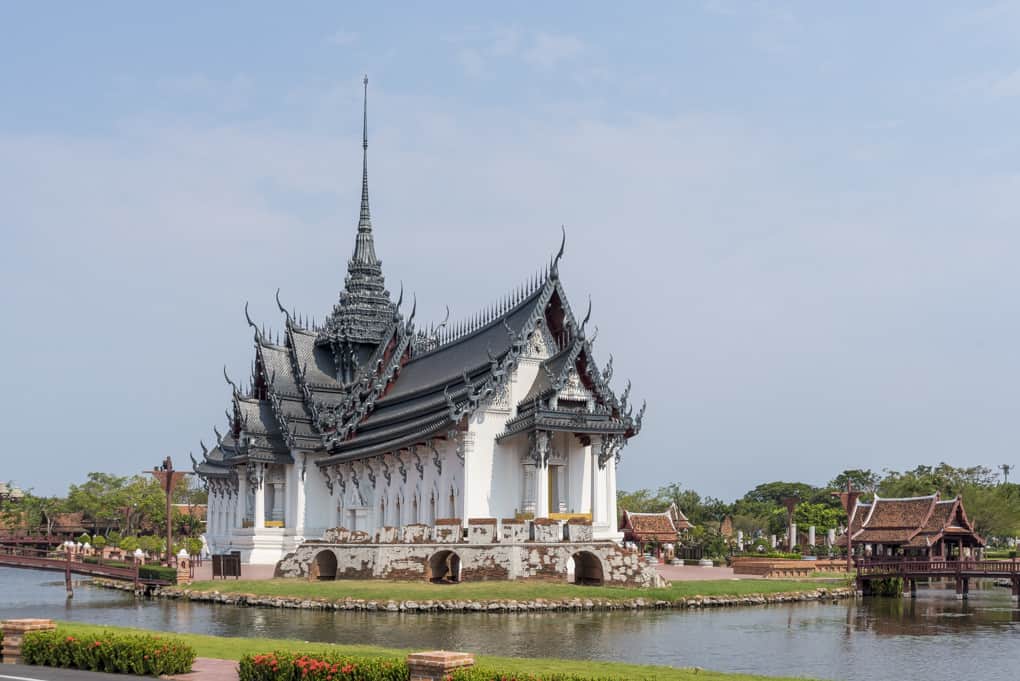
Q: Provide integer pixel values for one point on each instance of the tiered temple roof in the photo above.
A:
(914, 522)
(366, 381)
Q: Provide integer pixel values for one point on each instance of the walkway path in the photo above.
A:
(204, 669)
(691, 573)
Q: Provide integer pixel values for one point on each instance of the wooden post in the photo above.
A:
(14, 634)
(67, 575)
(437, 664)
(168, 479)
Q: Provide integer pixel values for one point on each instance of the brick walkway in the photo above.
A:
(690, 573)
(208, 669)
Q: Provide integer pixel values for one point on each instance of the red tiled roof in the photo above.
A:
(665, 526)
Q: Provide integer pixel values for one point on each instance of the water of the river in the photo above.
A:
(934, 637)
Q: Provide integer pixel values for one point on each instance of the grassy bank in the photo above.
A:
(492, 591)
(233, 648)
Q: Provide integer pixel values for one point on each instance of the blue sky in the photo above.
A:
(797, 222)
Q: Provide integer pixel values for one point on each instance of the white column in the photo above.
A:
(298, 503)
(213, 519)
(597, 505)
(792, 538)
(614, 522)
(241, 507)
(561, 489)
(260, 504)
(528, 488)
(541, 491)
(811, 535)
(279, 501)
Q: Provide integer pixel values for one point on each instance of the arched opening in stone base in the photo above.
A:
(588, 569)
(323, 567)
(443, 568)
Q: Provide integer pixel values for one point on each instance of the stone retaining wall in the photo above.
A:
(463, 606)
(479, 560)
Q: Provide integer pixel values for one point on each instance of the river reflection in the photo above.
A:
(933, 637)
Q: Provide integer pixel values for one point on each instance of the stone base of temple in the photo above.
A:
(265, 546)
(541, 549)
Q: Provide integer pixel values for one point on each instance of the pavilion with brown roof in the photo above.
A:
(654, 528)
(914, 526)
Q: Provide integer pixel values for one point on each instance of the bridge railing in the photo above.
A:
(997, 568)
(20, 556)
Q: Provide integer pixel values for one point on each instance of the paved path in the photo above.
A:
(204, 669)
(23, 672)
(204, 571)
(690, 573)
(208, 669)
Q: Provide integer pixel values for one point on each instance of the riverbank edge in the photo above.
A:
(499, 605)
(233, 648)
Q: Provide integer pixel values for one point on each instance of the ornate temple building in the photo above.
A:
(372, 421)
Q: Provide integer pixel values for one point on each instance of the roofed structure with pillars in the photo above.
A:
(657, 528)
(912, 527)
(372, 419)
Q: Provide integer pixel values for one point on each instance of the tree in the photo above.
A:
(924, 480)
(863, 480)
(822, 516)
(994, 511)
(638, 501)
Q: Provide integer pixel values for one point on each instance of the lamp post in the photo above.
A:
(168, 479)
(848, 499)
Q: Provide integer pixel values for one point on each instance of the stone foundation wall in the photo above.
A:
(478, 562)
(541, 549)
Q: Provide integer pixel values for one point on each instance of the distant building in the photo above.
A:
(916, 526)
(370, 420)
(654, 528)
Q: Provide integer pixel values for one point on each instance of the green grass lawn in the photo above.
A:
(423, 591)
(228, 648)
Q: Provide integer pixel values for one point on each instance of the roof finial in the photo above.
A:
(365, 222)
(554, 270)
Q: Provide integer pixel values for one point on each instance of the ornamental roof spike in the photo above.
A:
(400, 298)
(282, 308)
(232, 385)
(219, 437)
(250, 322)
(587, 316)
(554, 269)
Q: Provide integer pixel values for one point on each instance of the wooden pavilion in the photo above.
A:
(913, 527)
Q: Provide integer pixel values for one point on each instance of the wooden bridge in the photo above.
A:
(18, 556)
(962, 571)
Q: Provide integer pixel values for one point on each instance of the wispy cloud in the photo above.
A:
(342, 37)
(538, 49)
(550, 49)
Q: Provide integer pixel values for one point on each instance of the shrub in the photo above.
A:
(194, 546)
(285, 666)
(142, 655)
(128, 544)
(84, 538)
(163, 572)
(99, 541)
(114, 538)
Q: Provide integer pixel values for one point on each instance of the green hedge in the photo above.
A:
(168, 574)
(285, 666)
(163, 572)
(141, 655)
